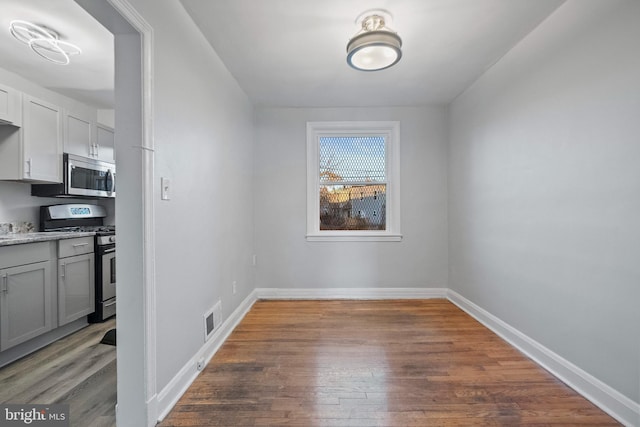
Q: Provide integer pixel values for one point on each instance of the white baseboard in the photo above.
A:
(171, 393)
(351, 293)
(600, 394)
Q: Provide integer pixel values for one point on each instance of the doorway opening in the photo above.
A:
(133, 41)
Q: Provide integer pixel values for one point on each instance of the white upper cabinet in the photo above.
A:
(84, 137)
(33, 152)
(106, 143)
(79, 131)
(10, 106)
(42, 145)
(35, 133)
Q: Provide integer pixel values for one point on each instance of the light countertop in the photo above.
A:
(21, 238)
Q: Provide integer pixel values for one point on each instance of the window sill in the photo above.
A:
(353, 237)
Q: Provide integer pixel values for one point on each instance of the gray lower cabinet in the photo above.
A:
(26, 297)
(32, 302)
(76, 279)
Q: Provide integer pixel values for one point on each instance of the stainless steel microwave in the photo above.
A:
(82, 177)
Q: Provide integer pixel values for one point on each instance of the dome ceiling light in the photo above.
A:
(43, 41)
(375, 46)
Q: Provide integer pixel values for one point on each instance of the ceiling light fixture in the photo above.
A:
(375, 46)
(43, 41)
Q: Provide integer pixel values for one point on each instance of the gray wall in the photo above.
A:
(545, 189)
(203, 131)
(287, 260)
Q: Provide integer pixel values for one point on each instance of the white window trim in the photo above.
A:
(391, 131)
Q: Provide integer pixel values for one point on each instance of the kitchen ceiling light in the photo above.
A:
(43, 41)
(375, 46)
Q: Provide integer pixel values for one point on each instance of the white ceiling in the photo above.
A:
(292, 52)
(89, 76)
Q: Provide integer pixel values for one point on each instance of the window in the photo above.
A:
(353, 181)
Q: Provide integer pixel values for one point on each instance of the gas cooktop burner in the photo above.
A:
(106, 229)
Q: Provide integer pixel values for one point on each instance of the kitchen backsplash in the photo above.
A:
(17, 227)
(18, 208)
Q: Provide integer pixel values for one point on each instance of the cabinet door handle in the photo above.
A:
(5, 285)
(77, 245)
(64, 270)
(28, 167)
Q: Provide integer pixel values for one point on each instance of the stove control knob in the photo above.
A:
(112, 239)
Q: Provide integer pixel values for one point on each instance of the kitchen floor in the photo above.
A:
(77, 370)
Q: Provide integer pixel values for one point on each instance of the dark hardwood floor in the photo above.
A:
(374, 363)
(76, 370)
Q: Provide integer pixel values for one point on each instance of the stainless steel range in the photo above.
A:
(84, 217)
(105, 277)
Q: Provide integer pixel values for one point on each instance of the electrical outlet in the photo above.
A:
(200, 364)
(233, 287)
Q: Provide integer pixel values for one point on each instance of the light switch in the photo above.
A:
(165, 184)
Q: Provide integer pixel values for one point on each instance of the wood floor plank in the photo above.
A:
(374, 363)
(76, 370)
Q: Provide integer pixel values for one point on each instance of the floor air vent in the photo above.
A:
(212, 320)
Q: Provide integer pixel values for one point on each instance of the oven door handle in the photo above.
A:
(108, 251)
(110, 304)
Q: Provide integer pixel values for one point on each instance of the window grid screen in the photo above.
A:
(359, 201)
